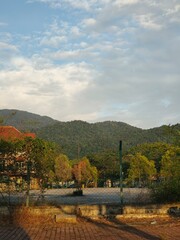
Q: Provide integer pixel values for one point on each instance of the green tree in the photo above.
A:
(153, 151)
(63, 168)
(1, 120)
(7, 152)
(168, 189)
(170, 164)
(107, 164)
(172, 132)
(37, 155)
(51, 177)
(41, 155)
(141, 169)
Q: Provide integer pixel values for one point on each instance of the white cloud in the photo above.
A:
(89, 22)
(3, 24)
(148, 21)
(51, 3)
(75, 31)
(53, 41)
(98, 60)
(174, 9)
(124, 2)
(173, 13)
(81, 4)
(66, 54)
(6, 46)
(58, 83)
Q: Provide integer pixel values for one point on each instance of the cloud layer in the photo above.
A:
(95, 60)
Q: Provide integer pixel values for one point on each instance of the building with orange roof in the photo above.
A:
(14, 167)
(10, 133)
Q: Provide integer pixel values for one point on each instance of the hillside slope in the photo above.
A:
(24, 121)
(79, 138)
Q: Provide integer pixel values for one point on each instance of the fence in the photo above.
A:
(10, 195)
(21, 185)
(93, 200)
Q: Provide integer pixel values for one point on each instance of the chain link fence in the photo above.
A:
(13, 194)
(22, 184)
(22, 194)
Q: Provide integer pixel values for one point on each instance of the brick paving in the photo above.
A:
(95, 230)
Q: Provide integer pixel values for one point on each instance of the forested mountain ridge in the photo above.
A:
(79, 138)
(24, 121)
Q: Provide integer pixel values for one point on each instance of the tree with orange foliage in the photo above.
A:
(84, 173)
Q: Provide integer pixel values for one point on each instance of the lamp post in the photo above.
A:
(121, 175)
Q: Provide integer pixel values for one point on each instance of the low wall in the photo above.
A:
(48, 213)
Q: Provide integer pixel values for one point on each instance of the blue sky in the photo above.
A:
(92, 60)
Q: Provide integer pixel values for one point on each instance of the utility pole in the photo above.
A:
(121, 175)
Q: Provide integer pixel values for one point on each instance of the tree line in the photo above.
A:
(155, 165)
(47, 163)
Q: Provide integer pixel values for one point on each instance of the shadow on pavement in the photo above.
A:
(13, 233)
(114, 224)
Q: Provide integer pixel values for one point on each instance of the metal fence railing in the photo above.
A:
(10, 196)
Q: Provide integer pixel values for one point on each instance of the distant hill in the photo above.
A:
(79, 138)
(23, 120)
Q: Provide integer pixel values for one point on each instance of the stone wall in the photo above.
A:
(48, 213)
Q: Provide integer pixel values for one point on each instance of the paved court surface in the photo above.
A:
(152, 229)
(90, 196)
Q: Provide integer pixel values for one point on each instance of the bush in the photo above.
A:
(166, 191)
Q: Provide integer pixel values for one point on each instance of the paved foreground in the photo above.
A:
(152, 229)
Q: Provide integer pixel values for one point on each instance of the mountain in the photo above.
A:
(79, 138)
(24, 121)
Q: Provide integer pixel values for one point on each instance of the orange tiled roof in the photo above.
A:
(9, 133)
(32, 135)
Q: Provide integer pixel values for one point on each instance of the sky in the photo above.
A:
(92, 60)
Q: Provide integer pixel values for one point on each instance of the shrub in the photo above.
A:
(166, 191)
